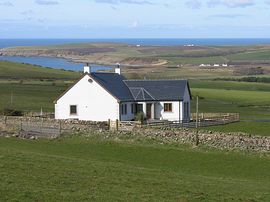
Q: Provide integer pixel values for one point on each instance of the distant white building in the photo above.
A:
(103, 96)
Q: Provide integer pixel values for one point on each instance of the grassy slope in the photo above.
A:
(174, 55)
(249, 56)
(30, 97)
(24, 71)
(253, 128)
(77, 169)
(251, 100)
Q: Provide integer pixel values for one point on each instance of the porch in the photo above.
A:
(155, 111)
(150, 110)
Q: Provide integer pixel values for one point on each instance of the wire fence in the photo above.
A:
(204, 120)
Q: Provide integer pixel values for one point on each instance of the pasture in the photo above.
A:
(12, 70)
(147, 55)
(251, 100)
(91, 168)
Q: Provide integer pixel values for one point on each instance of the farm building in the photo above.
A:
(102, 96)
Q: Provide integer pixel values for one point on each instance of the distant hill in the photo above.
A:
(12, 70)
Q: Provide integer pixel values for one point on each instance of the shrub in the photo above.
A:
(12, 112)
(139, 117)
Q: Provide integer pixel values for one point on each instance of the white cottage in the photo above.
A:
(103, 96)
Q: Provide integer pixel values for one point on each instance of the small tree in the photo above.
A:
(139, 117)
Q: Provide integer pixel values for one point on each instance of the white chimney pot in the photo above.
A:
(86, 69)
(117, 69)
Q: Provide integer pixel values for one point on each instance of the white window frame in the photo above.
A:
(169, 103)
(73, 114)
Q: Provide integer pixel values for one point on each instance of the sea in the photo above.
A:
(59, 63)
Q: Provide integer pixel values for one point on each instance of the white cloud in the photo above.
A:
(47, 2)
(135, 24)
(230, 3)
(194, 4)
(6, 3)
(138, 2)
(232, 16)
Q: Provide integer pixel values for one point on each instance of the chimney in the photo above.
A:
(117, 69)
(87, 69)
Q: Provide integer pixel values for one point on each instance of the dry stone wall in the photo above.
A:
(43, 127)
(237, 141)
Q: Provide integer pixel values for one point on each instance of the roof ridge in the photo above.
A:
(155, 80)
(103, 73)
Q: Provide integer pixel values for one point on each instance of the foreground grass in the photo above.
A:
(91, 169)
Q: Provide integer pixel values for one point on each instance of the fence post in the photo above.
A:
(109, 124)
(21, 128)
(5, 120)
(60, 127)
(117, 124)
(41, 126)
(197, 117)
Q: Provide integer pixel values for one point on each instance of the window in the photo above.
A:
(124, 109)
(138, 108)
(167, 107)
(186, 110)
(73, 109)
(132, 108)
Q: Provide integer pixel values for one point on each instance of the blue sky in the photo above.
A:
(134, 18)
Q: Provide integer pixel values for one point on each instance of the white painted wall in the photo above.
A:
(93, 102)
(171, 116)
(186, 99)
(176, 106)
(129, 116)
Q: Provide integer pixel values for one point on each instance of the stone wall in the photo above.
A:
(238, 141)
(41, 125)
(232, 141)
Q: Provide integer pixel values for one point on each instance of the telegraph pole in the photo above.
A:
(197, 122)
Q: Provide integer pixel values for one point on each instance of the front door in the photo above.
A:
(149, 110)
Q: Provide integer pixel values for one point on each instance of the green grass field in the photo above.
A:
(92, 169)
(101, 168)
(253, 128)
(249, 56)
(11, 70)
(171, 55)
(251, 100)
(30, 97)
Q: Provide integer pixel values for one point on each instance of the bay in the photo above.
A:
(59, 63)
(56, 63)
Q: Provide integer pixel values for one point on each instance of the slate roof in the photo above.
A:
(140, 94)
(114, 84)
(141, 90)
(162, 90)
